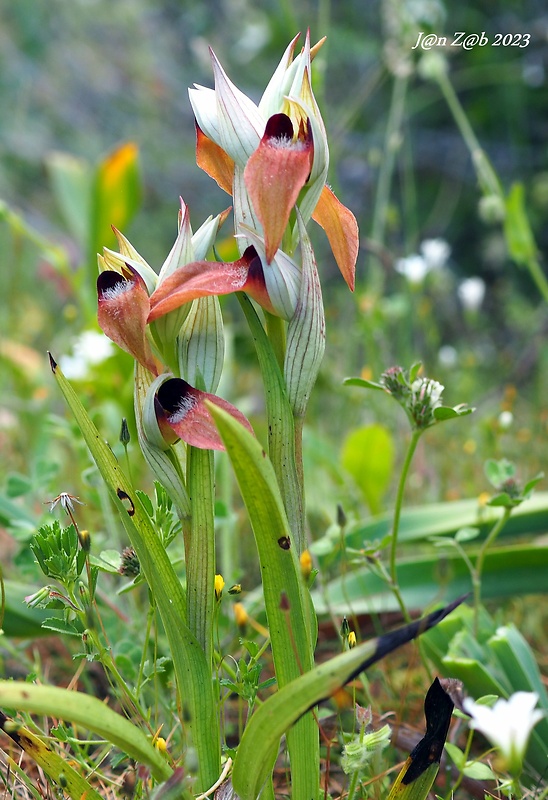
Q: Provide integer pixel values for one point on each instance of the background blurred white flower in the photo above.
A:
(414, 268)
(88, 349)
(471, 293)
(507, 725)
(448, 355)
(505, 420)
(434, 255)
(435, 252)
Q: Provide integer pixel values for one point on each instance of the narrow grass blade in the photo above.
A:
(91, 714)
(191, 668)
(277, 714)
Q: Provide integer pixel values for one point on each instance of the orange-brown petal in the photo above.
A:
(206, 278)
(214, 161)
(341, 228)
(275, 174)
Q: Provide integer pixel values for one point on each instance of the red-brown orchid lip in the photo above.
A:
(185, 411)
(123, 308)
(275, 174)
(205, 278)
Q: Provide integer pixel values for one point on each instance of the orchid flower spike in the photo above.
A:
(273, 156)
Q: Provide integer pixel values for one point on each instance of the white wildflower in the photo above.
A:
(90, 348)
(471, 293)
(507, 725)
(435, 252)
(415, 268)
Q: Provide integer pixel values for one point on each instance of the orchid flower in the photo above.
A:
(126, 282)
(125, 286)
(273, 156)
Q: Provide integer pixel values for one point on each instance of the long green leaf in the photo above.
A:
(282, 710)
(71, 181)
(191, 669)
(286, 601)
(281, 427)
(518, 662)
(507, 572)
(420, 522)
(90, 713)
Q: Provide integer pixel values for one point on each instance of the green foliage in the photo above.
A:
(58, 553)
(497, 661)
(368, 455)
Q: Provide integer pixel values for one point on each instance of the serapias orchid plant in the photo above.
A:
(271, 158)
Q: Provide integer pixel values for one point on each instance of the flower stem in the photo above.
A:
(275, 328)
(478, 569)
(396, 521)
(200, 544)
(486, 175)
(391, 145)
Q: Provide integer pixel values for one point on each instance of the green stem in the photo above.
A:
(478, 569)
(465, 759)
(391, 146)
(144, 655)
(486, 174)
(538, 276)
(396, 521)
(276, 331)
(353, 784)
(109, 664)
(229, 550)
(200, 552)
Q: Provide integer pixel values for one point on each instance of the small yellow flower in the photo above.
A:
(219, 584)
(161, 744)
(351, 640)
(306, 564)
(240, 614)
(483, 499)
